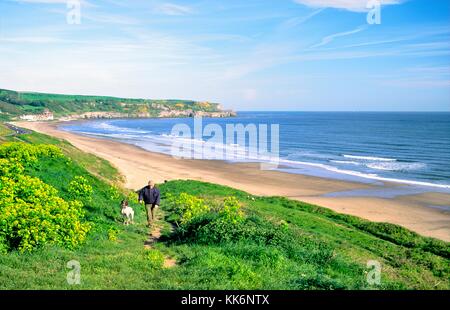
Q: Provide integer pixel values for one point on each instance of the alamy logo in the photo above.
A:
(239, 141)
(374, 274)
(74, 276)
(73, 16)
(374, 14)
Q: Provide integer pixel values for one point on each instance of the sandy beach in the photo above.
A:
(137, 166)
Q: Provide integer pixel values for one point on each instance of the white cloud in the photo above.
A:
(350, 5)
(173, 9)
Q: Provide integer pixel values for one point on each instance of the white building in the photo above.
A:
(45, 116)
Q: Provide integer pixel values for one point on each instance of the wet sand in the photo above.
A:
(138, 165)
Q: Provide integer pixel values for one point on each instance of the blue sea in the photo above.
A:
(405, 148)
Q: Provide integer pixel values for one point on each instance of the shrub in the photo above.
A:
(28, 153)
(185, 208)
(212, 229)
(10, 168)
(132, 197)
(31, 215)
(79, 188)
(114, 193)
(231, 211)
(112, 234)
(14, 156)
(155, 258)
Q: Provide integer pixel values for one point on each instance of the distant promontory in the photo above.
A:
(44, 107)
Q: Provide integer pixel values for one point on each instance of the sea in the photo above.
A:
(372, 147)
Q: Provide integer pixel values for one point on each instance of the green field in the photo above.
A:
(14, 103)
(217, 242)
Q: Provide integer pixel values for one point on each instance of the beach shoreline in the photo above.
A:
(138, 165)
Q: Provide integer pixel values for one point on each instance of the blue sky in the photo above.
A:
(307, 55)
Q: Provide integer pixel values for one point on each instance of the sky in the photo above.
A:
(291, 55)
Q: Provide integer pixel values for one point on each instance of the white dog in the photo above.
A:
(127, 212)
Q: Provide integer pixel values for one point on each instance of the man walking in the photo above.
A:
(150, 196)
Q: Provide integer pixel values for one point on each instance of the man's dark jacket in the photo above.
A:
(150, 196)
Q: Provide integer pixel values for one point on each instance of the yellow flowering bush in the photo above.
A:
(230, 211)
(155, 258)
(185, 207)
(79, 188)
(225, 221)
(28, 153)
(114, 193)
(32, 214)
(112, 234)
(10, 168)
(132, 197)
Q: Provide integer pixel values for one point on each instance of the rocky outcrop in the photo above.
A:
(190, 113)
(91, 115)
(215, 114)
(166, 113)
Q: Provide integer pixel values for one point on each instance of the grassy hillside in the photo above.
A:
(218, 242)
(14, 103)
(4, 132)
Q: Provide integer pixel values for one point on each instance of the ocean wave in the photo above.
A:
(347, 162)
(113, 128)
(396, 166)
(303, 153)
(117, 136)
(371, 176)
(240, 153)
(368, 158)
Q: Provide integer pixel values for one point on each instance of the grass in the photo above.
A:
(4, 132)
(96, 166)
(283, 244)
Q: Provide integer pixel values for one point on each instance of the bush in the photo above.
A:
(112, 234)
(230, 211)
(114, 193)
(155, 259)
(212, 229)
(132, 197)
(79, 188)
(185, 208)
(28, 153)
(10, 168)
(31, 215)
(15, 156)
